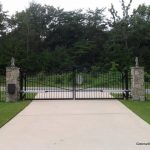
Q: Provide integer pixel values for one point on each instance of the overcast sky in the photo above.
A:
(17, 5)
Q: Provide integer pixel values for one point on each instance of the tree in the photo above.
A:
(120, 32)
(140, 37)
(3, 31)
(53, 39)
(3, 21)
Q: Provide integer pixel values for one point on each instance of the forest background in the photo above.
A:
(43, 38)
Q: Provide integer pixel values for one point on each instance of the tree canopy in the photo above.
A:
(45, 38)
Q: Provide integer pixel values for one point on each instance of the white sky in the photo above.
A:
(17, 5)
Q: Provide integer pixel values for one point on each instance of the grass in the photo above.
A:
(117, 95)
(30, 96)
(142, 109)
(9, 110)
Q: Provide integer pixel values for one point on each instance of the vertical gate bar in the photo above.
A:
(102, 85)
(25, 78)
(126, 84)
(145, 81)
(122, 85)
(67, 84)
(99, 84)
(56, 86)
(94, 85)
(90, 84)
(49, 81)
(32, 82)
(113, 80)
(97, 74)
(122, 82)
(117, 85)
(43, 85)
(109, 84)
(62, 85)
(118, 80)
(74, 83)
(21, 85)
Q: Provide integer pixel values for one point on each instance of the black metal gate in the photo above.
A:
(75, 84)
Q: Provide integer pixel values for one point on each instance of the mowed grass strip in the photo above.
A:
(9, 110)
(142, 109)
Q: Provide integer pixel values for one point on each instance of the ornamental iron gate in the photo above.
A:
(75, 84)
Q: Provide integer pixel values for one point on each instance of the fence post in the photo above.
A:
(137, 83)
(12, 83)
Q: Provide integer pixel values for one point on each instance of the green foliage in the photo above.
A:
(48, 39)
(91, 78)
(114, 66)
(95, 70)
(59, 79)
(3, 22)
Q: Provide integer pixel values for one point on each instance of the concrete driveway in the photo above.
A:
(75, 125)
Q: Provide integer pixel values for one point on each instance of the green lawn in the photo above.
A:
(30, 96)
(142, 109)
(9, 110)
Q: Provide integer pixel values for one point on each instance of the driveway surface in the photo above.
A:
(69, 94)
(75, 125)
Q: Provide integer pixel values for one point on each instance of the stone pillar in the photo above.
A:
(12, 84)
(137, 83)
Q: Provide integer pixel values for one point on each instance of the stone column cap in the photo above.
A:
(13, 68)
(137, 67)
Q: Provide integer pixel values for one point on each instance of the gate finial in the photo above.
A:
(136, 62)
(12, 62)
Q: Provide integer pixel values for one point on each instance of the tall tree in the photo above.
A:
(3, 31)
(119, 33)
(3, 21)
(140, 34)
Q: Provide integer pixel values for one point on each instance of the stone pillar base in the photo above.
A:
(12, 84)
(137, 83)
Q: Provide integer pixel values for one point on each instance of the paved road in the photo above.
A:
(75, 125)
